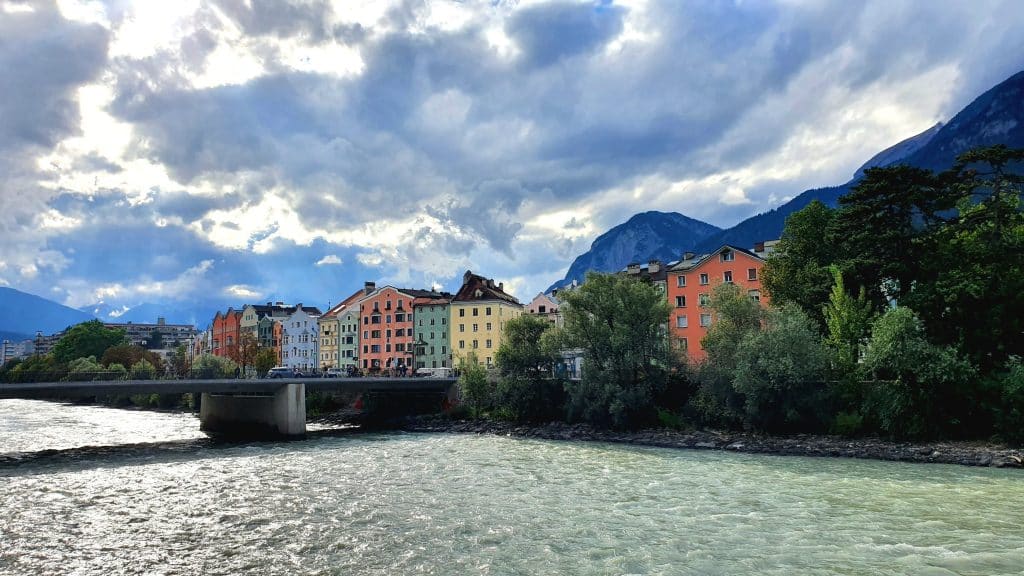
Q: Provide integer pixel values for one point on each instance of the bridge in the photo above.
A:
(236, 406)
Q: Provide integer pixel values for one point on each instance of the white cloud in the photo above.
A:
(330, 259)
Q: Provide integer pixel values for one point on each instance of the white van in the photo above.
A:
(434, 372)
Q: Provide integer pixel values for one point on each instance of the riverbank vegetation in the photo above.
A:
(899, 313)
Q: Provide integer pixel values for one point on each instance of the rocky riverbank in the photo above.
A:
(963, 453)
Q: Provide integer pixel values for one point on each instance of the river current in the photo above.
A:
(90, 490)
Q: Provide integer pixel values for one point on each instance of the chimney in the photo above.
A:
(633, 268)
(467, 276)
(369, 287)
(688, 255)
(759, 247)
(653, 266)
(501, 286)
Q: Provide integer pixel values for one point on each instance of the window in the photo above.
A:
(542, 309)
(751, 273)
(431, 322)
(388, 305)
(681, 321)
(681, 281)
(488, 326)
(387, 347)
(727, 276)
(680, 301)
(683, 344)
(421, 321)
(366, 319)
(728, 256)
(399, 317)
(703, 279)
(388, 320)
(431, 335)
(375, 348)
(400, 332)
(462, 343)
(704, 299)
(476, 311)
(443, 321)
(755, 295)
(366, 349)
(462, 327)
(476, 344)
(462, 312)
(488, 311)
(375, 334)
(444, 349)
(476, 327)
(705, 320)
(399, 347)
(488, 343)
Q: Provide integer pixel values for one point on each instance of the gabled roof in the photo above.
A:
(476, 288)
(341, 306)
(693, 263)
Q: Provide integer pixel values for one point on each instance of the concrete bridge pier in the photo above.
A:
(283, 414)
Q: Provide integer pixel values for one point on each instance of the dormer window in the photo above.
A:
(728, 256)
(479, 293)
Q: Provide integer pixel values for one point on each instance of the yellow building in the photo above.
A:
(478, 314)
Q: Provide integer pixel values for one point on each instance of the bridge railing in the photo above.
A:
(31, 376)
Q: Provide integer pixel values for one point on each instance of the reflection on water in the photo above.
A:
(445, 504)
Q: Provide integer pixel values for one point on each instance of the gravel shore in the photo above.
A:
(963, 453)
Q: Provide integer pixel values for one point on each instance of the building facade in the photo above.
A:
(253, 314)
(170, 335)
(225, 333)
(478, 314)
(546, 306)
(690, 283)
(386, 330)
(300, 342)
(339, 327)
(431, 334)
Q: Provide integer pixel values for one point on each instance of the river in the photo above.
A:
(124, 492)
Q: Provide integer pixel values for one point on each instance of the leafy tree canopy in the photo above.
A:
(90, 338)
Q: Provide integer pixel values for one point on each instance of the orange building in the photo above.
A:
(386, 337)
(226, 331)
(278, 338)
(690, 283)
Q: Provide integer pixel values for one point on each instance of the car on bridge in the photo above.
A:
(335, 373)
(281, 372)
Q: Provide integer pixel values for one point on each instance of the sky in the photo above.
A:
(204, 153)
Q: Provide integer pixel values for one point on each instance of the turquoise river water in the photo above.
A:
(90, 490)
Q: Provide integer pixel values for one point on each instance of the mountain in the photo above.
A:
(24, 313)
(146, 313)
(646, 236)
(14, 336)
(995, 117)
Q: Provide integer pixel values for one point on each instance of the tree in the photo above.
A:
(918, 389)
(620, 323)
(156, 340)
(474, 387)
(180, 361)
(83, 369)
(210, 366)
(265, 359)
(143, 370)
(245, 352)
(129, 355)
(526, 359)
(797, 272)
(90, 338)
(884, 223)
(780, 371)
(848, 320)
(972, 298)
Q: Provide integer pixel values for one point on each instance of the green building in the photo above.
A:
(431, 331)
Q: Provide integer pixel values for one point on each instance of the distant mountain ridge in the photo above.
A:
(646, 236)
(145, 313)
(24, 313)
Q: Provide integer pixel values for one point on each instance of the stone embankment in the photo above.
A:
(963, 453)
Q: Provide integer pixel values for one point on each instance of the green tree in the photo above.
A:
(210, 366)
(526, 359)
(474, 387)
(265, 359)
(780, 372)
(90, 338)
(848, 320)
(797, 272)
(143, 370)
(129, 355)
(180, 361)
(82, 369)
(883, 223)
(973, 299)
(918, 388)
(620, 324)
(156, 340)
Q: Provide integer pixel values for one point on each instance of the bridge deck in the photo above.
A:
(242, 386)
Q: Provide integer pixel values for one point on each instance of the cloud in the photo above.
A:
(412, 140)
(329, 260)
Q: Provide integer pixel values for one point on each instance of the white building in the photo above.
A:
(10, 350)
(300, 342)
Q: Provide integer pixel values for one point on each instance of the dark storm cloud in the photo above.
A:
(548, 33)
